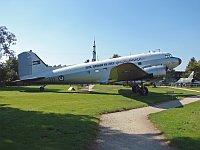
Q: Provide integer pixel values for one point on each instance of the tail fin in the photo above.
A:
(191, 75)
(29, 63)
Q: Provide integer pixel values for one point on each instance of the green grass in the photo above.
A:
(195, 88)
(192, 88)
(59, 120)
(180, 125)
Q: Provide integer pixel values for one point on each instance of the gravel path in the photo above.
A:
(131, 130)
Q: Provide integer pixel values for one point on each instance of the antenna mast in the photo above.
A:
(94, 52)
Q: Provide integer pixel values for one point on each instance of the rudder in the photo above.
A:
(29, 63)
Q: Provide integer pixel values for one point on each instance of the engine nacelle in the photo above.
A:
(156, 71)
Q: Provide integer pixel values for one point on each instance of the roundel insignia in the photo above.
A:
(61, 78)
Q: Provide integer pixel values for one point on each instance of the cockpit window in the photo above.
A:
(168, 56)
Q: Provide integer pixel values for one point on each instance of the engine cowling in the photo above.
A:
(156, 71)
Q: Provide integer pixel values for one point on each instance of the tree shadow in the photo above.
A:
(186, 143)
(22, 130)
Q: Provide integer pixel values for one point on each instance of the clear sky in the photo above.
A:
(62, 31)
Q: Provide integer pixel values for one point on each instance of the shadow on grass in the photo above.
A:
(22, 130)
(27, 89)
(154, 98)
(115, 139)
(186, 143)
(91, 92)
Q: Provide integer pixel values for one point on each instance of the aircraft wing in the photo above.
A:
(127, 72)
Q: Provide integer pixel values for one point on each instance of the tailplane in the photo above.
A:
(30, 64)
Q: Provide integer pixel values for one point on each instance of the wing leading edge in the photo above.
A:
(127, 72)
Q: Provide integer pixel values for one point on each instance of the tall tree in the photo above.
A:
(11, 69)
(197, 73)
(6, 40)
(2, 73)
(193, 65)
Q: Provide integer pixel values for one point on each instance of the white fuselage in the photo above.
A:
(99, 71)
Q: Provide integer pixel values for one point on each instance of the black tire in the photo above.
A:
(144, 91)
(134, 89)
(41, 89)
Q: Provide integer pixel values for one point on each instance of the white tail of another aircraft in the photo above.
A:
(30, 64)
(191, 75)
(189, 79)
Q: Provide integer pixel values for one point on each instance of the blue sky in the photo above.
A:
(62, 31)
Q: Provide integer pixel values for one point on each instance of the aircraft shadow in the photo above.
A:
(91, 92)
(27, 89)
(38, 130)
(154, 98)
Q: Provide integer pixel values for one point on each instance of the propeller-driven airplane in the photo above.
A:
(144, 66)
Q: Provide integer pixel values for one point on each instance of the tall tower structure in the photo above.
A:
(94, 57)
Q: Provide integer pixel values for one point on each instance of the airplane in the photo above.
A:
(32, 70)
(187, 80)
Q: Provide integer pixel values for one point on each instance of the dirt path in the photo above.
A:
(131, 130)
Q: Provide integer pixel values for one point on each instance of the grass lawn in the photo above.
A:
(180, 125)
(192, 88)
(195, 88)
(60, 120)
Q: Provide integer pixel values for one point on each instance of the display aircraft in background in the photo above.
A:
(33, 70)
(184, 81)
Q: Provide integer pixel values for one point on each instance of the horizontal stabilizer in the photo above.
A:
(30, 79)
(33, 79)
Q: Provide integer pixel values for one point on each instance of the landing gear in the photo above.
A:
(42, 88)
(142, 90)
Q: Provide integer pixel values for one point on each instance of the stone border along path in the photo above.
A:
(131, 130)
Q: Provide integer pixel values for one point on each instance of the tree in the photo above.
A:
(8, 71)
(193, 65)
(11, 69)
(2, 73)
(6, 40)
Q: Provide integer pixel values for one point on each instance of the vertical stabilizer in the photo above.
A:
(191, 75)
(30, 64)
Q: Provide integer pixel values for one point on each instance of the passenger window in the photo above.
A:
(139, 63)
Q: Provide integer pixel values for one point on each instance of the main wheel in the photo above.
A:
(144, 91)
(134, 89)
(41, 89)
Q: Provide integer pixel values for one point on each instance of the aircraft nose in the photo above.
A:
(179, 61)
